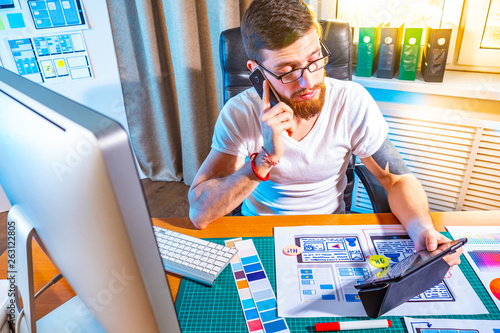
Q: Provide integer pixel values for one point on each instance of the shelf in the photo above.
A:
(456, 84)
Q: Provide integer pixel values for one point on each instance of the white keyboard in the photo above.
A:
(192, 257)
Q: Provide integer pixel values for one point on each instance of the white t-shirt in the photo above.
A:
(310, 177)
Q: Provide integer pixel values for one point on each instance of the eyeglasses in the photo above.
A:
(296, 74)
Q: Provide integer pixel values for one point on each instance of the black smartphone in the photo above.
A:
(257, 78)
(411, 265)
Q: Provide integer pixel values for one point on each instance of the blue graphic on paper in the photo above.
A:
(445, 330)
(331, 249)
(317, 283)
(56, 13)
(439, 292)
(394, 247)
(349, 277)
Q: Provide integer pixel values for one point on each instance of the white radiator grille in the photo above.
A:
(483, 192)
(458, 165)
(361, 202)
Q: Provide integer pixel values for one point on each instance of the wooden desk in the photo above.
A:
(231, 227)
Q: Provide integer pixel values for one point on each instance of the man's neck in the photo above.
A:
(303, 127)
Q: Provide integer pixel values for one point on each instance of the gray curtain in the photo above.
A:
(168, 59)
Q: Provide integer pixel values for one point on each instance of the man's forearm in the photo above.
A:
(216, 197)
(408, 203)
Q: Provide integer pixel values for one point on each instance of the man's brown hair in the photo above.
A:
(275, 24)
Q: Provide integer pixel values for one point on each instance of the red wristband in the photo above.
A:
(252, 158)
(268, 157)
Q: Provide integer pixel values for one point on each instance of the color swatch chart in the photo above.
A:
(483, 239)
(483, 253)
(254, 290)
(486, 261)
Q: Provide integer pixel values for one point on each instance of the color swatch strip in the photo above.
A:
(486, 239)
(252, 318)
(486, 261)
(260, 287)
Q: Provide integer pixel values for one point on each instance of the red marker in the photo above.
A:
(352, 325)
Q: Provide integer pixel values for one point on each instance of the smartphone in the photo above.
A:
(411, 265)
(257, 78)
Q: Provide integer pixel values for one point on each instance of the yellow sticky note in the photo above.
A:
(379, 261)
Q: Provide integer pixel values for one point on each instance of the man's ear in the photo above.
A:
(252, 65)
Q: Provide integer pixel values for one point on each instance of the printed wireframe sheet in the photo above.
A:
(317, 277)
(431, 325)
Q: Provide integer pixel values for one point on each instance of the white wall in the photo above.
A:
(102, 90)
(4, 203)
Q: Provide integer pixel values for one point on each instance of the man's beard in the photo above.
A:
(306, 109)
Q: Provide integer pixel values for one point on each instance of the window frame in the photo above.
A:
(461, 15)
(471, 53)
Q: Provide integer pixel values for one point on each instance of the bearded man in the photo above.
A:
(292, 158)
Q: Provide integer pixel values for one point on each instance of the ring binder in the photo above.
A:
(435, 54)
(390, 51)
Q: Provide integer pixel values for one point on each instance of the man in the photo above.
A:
(299, 149)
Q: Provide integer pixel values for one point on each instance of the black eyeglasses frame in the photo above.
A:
(302, 69)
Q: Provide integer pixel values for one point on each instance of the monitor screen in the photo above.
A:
(71, 174)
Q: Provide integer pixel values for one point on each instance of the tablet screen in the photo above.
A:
(412, 263)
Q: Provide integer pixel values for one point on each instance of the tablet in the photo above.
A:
(411, 265)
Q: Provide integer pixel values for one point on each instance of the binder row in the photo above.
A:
(383, 52)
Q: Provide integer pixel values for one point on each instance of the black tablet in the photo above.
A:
(411, 265)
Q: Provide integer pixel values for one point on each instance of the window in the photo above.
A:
(475, 40)
(481, 38)
(491, 35)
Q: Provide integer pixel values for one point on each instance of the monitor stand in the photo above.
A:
(72, 316)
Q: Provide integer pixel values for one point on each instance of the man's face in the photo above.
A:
(306, 95)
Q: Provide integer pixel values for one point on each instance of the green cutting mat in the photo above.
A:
(204, 309)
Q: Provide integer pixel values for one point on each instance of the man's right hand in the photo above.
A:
(273, 121)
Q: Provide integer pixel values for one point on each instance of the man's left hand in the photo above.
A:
(429, 239)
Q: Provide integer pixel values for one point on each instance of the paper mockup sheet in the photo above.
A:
(320, 281)
(426, 325)
(483, 254)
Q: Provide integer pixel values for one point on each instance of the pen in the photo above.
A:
(352, 325)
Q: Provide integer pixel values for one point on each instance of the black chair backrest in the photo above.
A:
(337, 36)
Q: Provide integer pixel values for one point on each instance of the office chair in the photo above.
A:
(337, 36)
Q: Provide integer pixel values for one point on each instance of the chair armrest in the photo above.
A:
(377, 194)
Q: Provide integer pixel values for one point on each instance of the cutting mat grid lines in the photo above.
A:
(203, 309)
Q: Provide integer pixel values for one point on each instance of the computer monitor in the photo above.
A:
(70, 172)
